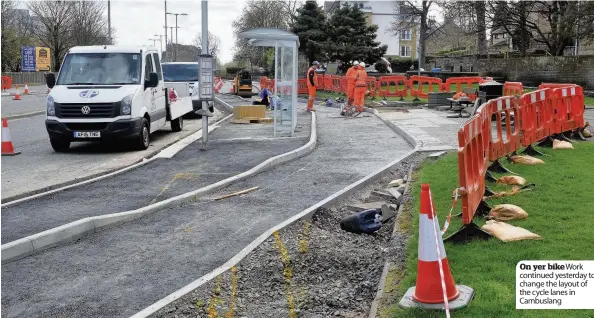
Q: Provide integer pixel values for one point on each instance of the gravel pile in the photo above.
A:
(308, 269)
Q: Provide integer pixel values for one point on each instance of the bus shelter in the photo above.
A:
(285, 74)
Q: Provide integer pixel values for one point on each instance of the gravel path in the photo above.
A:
(311, 268)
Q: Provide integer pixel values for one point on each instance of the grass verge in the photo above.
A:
(560, 210)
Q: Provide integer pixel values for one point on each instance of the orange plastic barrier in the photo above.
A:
(422, 81)
(6, 82)
(513, 89)
(384, 84)
(343, 84)
(568, 105)
(320, 78)
(536, 113)
(372, 86)
(263, 82)
(472, 162)
(302, 86)
(554, 85)
(336, 81)
(328, 83)
(460, 81)
(500, 145)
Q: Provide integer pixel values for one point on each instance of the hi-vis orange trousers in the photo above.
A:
(311, 90)
(360, 98)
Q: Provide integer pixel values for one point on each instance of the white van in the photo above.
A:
(183, 78)
(109, 92)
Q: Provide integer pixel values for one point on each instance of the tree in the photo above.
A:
(88, 23)
(409, 13)
(214, 44)
(351, 38)
(471, 17)
(310, 26)
(54, 29)
(260, 14)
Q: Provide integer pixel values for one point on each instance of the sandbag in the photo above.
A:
(527, 160)
(506, 212)
(559, 144)
(511, 180)
(508, 233)
(586, 133)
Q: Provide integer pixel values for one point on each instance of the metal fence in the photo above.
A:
(26, 77)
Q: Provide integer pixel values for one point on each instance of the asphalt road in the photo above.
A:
(39, 166)
(27, 104)
(122, 270)
(231, 151)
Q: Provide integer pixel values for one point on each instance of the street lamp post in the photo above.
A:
(176, 27)
(170, 42)
(160, 43)
(109, 21)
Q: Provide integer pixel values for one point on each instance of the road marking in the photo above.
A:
(287, 272)
(232, 303)
(304, 237)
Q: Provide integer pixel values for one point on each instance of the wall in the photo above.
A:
(383, 35)
(529, 70)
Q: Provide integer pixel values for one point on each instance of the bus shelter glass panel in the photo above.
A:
(285, 114)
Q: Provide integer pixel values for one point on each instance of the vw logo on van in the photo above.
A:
(85, 110)
(89, 93)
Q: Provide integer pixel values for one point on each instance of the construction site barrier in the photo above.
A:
(320, 78)
(513, 89)
(536, 113)
(421, 81)
(568, 105)
(371, 86)
(390, 86)
(472, 161)
(554, 85)
(327, 82)
(336, 81)
(6, 82)
(302, 86)
(506, 111)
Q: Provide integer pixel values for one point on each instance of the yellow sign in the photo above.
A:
(43, 58)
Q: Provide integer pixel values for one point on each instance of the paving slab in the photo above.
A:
(122, 270)
(232, 149)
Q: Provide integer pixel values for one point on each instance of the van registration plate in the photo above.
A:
(87, 134)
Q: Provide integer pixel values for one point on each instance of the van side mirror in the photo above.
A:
(50, 80)
(153, 80)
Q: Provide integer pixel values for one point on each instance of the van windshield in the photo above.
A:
(100, 69)
(180, 72)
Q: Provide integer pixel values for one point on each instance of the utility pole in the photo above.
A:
(170, 42)
(176, 27)
(161, 43)
(165, 27)
(154, 41)
(204, 11)
(109, 21)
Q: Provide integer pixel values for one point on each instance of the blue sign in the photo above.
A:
(27, 59)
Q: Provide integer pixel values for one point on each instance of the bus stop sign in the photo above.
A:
(206, 79)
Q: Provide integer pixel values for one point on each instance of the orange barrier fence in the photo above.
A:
(472, 161)
(535, 116)
(513, 89)
(421, 81)
(399, 83)
(6, 82)
(302, 86)
(504, 109)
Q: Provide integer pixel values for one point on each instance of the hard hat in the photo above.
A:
(362, 64)
(316, 63)
(355, 63)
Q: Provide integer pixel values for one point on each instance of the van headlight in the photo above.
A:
(49, 104)
(126, 106)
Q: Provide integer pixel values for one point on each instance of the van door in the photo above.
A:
(160, 89)
(157, 119)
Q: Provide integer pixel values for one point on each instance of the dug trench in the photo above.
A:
(311, 268)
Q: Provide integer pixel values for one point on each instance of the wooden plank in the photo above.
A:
(236, 193)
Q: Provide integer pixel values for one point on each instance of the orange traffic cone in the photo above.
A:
(17, 96)
(7, 147)
(26, 89)
(435, 287)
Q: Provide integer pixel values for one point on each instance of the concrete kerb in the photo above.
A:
(99, 176)
(305, 214)
(24, 115)
(382, 283)
(34, 243)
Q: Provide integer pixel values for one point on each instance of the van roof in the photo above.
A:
(111, 49)
(179, 63)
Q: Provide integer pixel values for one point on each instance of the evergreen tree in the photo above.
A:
(310, 26)
(350, 38)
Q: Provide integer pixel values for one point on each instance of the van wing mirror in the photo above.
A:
(50, 80)
(153, 80)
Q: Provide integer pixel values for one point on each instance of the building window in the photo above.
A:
(496, 36)
(405, 35)
(405, 51)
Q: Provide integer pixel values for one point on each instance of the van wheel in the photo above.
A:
(177, 124)
(60, 145)
(143, 140)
